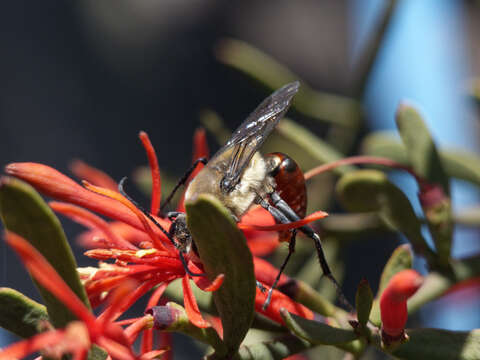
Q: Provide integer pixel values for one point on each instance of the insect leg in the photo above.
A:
(291, 250)
(183, 180)
(280, 217)
(167, 234)
(308, 231)
(286, 210)
(260, 286)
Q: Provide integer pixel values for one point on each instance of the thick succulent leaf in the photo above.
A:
(276, 349)
(97, 353)
(20, 314)
(252, 62)
(317, 332)
(440, 344)
(223, 250)
(215, 125)
(363, 302)
(400, 259)
(426, 162)
(421, 150)
(25, 213)
(313, 145)
(384, 144)
(459, 164)
(370, 190)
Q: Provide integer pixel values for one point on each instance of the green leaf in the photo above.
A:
(363, 302)
(276, 349)
(25, 213)
(426, 162)
(336, 109)
(215, 124)
(312, 145)
(370, 190)
(462, 165)
(459, 164)
(20, 314)
(97, 353)
(421, 150)
(440, 345)
(384, 144)
(321, 334)
(400, 259)
(223, 250)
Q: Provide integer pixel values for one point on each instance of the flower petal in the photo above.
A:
(191, 306)
(157, 241)
(155, 170)
(206, 285)
(200, 150)
(266, 273)
(22, 349)
(92, 221)
(279, 301)
(293, 225)
(83, 171)
(46, 275)
(52, 183)
(393, 303)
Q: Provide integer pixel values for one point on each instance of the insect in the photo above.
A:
(240, 177)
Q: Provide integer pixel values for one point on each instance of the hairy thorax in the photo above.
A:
(254, 183)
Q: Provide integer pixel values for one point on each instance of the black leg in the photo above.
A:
(291, 250)
(183, 180)
(287, 213)
(260, 286)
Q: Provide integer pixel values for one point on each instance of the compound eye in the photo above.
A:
(289, 165)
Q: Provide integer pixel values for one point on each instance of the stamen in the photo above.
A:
(155, 170)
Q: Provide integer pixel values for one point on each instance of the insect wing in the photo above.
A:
(252, 133)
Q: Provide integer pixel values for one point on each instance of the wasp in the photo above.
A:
(240, 177)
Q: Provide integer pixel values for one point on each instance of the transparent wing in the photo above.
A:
(251, 134)
(260, 123)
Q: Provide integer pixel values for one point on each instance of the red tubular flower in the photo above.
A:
(78, 336)
(393, 303)
(155, 170)
(58, 186)
(140, 250)
(95, 176)
(279, 301)
(200, 150)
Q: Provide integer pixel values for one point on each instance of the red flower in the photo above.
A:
(141, 251)
(78, 336)
(393, 303)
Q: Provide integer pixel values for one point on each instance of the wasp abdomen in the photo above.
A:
(290, 184)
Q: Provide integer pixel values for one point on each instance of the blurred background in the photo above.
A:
(80, 79)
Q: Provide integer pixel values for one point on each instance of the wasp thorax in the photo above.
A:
(227, 185)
